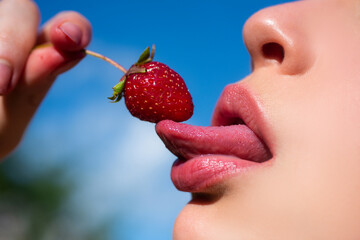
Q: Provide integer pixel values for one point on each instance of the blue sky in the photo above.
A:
(121, 168)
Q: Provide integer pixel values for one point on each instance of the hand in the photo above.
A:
(26, 74)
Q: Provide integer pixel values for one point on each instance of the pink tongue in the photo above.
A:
(187, 141)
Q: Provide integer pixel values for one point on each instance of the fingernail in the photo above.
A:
(72, 31)
(6, 72)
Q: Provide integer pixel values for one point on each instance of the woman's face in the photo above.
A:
(302, 101)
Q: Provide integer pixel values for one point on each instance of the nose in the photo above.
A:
(276, 37)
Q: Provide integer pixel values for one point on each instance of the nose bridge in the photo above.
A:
(276, 37)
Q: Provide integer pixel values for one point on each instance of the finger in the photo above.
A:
(47, 62)
(42, 68)
(18, 107)
(18, 33)
(67, 31)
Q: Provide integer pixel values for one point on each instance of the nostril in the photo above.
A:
(273, 51)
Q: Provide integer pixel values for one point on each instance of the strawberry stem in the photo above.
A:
(98, 55)
(91, 53)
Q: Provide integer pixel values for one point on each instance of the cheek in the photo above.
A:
(315, 181)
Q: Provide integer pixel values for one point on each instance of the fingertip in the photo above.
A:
(71, 33)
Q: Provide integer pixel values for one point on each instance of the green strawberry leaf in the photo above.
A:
(118, 90)
(144, 56)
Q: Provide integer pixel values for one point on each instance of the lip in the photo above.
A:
(236, 142)
(238, 103)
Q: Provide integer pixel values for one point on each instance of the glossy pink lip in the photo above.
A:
(210, 155)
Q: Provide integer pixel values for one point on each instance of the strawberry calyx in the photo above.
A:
(145, 57)
(118, 89)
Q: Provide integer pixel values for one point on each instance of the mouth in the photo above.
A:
(234, 144)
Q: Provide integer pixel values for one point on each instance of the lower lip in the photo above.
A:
(205, 172)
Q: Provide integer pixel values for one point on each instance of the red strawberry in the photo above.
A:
(154, 92)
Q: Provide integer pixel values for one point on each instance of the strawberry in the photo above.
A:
(153, 91)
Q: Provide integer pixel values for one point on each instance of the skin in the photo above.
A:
(311, 102)
(31, 73)
(310, 99)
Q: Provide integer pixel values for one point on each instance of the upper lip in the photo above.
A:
(239, 105)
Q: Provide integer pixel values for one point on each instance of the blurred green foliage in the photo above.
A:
(34, 206)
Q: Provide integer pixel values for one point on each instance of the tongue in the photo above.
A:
(187, 141)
